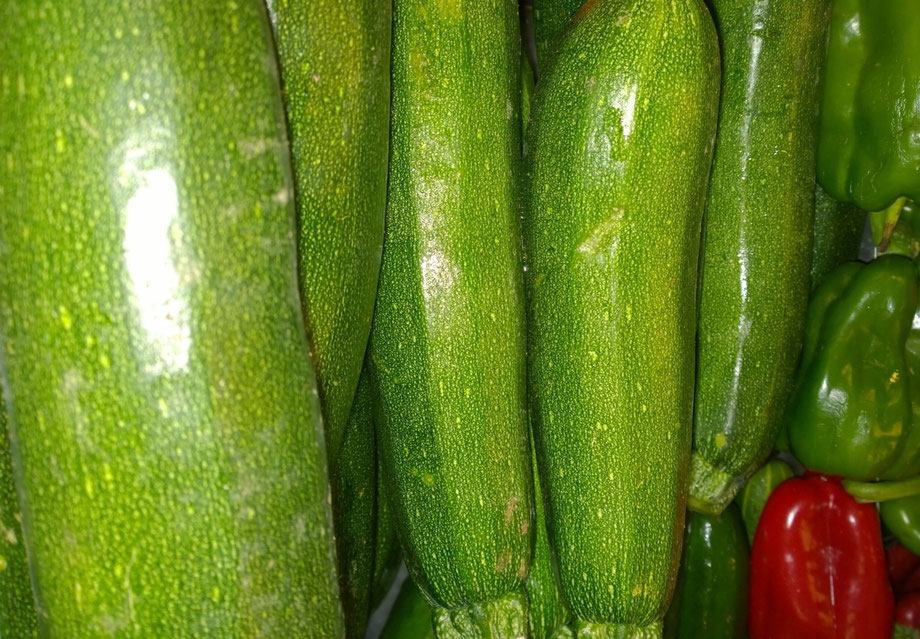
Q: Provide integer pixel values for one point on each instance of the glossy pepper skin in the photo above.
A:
(818, 567)
(851, 412)
(869, 140)
(902, 518)
(711, 597)
(753, 497)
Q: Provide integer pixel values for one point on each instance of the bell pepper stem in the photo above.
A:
(883, 223)
(882, 490)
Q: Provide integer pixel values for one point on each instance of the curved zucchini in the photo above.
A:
(619, 148)
(838, 233)
(448, 338)
(755, 271)
(166, 432)
(549, 20)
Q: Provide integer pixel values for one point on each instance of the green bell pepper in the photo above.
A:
(902, 518)
(711, 596)
(757, 490)
(851, 413)
(869, 140)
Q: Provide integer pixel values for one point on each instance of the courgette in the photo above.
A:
(549, 19)
(335, 70)
(838, 234)
(448, 339)
(166, 432)
(755, 270)
(618, 153)
(17, 604)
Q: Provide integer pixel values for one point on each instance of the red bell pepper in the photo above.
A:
(907, 612)
(902, 564)
(818, 566)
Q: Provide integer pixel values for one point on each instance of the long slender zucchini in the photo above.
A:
(619, 148)
(838, 232)
(17, 603)
(335, 70)
(755, 271)
(549, 19)
(166, 432)
(448, 339)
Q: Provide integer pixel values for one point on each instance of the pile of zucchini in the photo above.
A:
(283, 282)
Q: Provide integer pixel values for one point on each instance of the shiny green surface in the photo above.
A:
(869, 150)
(335, 67)
(618, 152)
(902, 518)
(17, 604)
(166, 432)
(755, 269)
(838, 233)
(711, 598)
(448, 339)
(851, 413)
(753, 497)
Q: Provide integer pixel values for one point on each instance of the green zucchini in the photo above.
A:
(17, 604)
(166, 432)
(354, 501)
(335, 70)
(448, 339)
(410, 617)
(386, 552)
(755, 270)
(549, 20)
(838, 233)
(618, 154)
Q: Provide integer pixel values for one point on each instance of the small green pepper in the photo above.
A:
(851, 413)
(754, 495)
(902, 518)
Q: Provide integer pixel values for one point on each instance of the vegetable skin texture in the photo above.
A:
(448, 341)
(619, 148)
(17, 603)
(755, 271)
(334, 57)
(161, 399)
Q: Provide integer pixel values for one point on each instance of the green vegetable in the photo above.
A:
(386, 554)
(448, 338)
(17, 604)
(757, 238)
(410, 617)
(549, 19)
(757, 490)
(619, 147)
(548, 614)
(711, 598)
(868, 152)
(166, 435)
(354, 479)
(902, 518)
(335, 67)
(838, 233)
(851, 413)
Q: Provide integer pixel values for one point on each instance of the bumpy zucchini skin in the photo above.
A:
(618, 154)
(166, 428)
(335, 69)
(17, 603)
(448, 339)
(755, 271)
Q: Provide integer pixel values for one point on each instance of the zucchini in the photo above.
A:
(755, 270)
(619, 148)
(335, 70)
(166, 431)
(354, 501)
(17, 604)
(838, 234)
(549, 20)
(448, 339)
(410, 617)
(387, 559)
